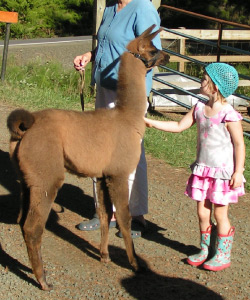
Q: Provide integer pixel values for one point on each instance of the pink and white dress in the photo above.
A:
(214, 166)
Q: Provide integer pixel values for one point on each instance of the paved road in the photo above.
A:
(61, 49)
(45, 41)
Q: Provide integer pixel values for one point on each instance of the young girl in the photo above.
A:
(217, 174)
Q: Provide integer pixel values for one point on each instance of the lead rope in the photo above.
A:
(82, 81)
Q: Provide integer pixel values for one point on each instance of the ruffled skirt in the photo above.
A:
(216, 190)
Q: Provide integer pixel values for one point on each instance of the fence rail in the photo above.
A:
(205, 37)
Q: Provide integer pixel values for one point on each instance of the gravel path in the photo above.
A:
(71, 257)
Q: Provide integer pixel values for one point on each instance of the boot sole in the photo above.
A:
(196, 264)
(216, 268)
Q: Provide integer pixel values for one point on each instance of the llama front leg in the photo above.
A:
(119, 193)
(104, 210)
(32, 225)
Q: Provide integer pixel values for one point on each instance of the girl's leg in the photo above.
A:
(221, 217)
(222, 258)
(204, 210)
(204, 214)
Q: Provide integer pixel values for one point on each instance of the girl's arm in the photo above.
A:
(236, 132)
(172, 126)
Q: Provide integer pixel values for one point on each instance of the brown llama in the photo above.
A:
(105, 144)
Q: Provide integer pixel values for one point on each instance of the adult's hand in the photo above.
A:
(81, 61)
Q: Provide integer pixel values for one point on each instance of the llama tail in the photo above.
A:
(18, 122)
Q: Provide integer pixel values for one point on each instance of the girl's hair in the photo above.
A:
(212, 85)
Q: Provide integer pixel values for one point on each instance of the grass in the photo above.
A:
(37, 86)
(176, 149)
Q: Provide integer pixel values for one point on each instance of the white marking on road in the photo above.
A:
(43, 43)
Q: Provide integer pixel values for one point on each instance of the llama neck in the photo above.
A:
(131, 88)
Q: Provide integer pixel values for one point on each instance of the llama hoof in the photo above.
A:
(46, 287)
(57, 208)
(141, 270)
(138, 267)
(105, 259)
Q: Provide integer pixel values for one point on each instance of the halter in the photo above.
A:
(145, 61)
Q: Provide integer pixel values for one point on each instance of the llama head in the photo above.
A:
(143, 48)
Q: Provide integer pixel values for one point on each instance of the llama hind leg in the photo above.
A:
(104, 210)
(119, 193)
(32, 224)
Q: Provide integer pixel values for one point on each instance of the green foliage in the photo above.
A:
(46, 18)
(239, 10)
(38, 86)
(231, 10)
(243, 69)
(178, 150)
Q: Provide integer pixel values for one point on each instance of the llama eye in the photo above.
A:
(153, 52)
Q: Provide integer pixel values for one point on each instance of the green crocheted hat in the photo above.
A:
(224, 76)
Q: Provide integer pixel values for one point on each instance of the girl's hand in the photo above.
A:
(236, 180)
(81, 61)
(172, 126)
(148, 122)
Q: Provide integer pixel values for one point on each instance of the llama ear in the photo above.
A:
(147, 31)
(143, 41)
(154, 34)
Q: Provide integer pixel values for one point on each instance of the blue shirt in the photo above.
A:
(116, 31)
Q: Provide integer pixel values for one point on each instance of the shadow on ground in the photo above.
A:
(152, 286)
(147, 285)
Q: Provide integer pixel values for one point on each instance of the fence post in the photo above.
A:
(99, 7)
(219, 42)
(181, 50)
(156, 3)
(5, 50)
(8, 18)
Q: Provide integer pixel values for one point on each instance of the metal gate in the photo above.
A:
(219, 46)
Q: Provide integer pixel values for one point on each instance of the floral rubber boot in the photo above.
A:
(199, 258)
(221, 259)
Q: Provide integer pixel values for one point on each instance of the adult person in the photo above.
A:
(123, 20)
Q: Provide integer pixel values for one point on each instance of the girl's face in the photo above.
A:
(206, 88)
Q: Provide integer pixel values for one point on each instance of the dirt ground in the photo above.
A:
(71, 257)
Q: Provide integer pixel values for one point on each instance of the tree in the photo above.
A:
(239, 11)
(43, 18)
(231, 10)
(46, 18)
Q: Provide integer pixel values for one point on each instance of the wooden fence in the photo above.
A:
(206, 34)
(8, 18)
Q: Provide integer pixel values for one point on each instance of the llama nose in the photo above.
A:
(167, 58)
